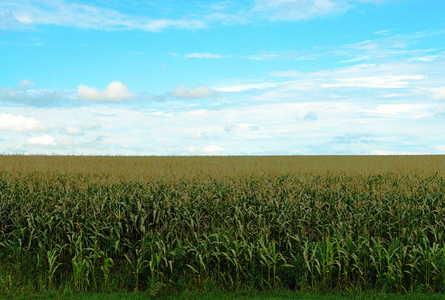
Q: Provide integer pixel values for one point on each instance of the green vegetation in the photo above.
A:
(77, 227)
(224, 294)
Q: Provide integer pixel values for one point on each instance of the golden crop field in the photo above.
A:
(144, 168)
(306, 223)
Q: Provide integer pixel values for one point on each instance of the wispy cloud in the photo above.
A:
(289, 73)
(391, 46)
(89, 125)
(406, 110)
(19, 14)
(25, 83)
(386, 82)
(203, 55)
(182, 91)
(291, 10)
(245, 87)
(262, 56)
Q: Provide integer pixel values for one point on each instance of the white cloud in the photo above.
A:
(387, 82)
(67, 143)
(289, 73)
(182, 91)
(262, 56)
(45, 140)
(440, 94)
(89, 125)
(440, 148)
(406, 76)
(393, 47)
(245, 87)
(25, 83)
(291, 10)
(160, 24)
(385, 152)
(189, 149)
(73, 131)
(9, 122)
(384, 32)
(196, 136)
(407, 110)
(424, 58)
(213, 150)
(432, 112)
(203, 55)
(115, 91)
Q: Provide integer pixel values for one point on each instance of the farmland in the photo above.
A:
(319, 223)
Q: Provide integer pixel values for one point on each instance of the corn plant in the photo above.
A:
(314, 223)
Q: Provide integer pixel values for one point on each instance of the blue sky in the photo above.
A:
(253, 77)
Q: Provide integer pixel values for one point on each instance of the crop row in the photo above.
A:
(301, 231)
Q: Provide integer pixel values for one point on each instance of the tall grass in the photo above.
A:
(306, 223)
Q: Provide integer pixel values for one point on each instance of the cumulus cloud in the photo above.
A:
(45, 140)
(70, 130)
(213, 150)
(73, 131)
(115, 92)
(9, 122)
(182, 91)
(203, 55)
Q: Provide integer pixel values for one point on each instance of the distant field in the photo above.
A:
(176, 167)
(317, 223)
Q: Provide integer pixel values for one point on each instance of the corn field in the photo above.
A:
(303, 223)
